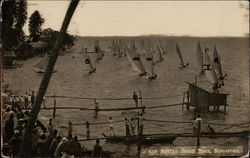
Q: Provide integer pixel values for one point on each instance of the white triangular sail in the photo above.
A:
(87, 61)
(136, 58)
(113, 47)
(209, 70)
(130, 58)
(98, 51)
(178, 52)
(199, 55)
(149, 63)
(217, 63)
(149, 60)
(211, 75)
(163, 48)
(118, 49)
(121, 46)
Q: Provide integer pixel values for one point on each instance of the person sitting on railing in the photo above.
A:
(133, 126)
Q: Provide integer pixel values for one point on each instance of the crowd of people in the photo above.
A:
(23, 101)
(46, 141)
(130, 126)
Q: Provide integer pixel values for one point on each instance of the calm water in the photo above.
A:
(115, 78)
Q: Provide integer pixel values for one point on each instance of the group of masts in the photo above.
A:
(142, 56)
(211, 68)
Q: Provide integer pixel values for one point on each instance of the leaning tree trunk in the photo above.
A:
(25, 149)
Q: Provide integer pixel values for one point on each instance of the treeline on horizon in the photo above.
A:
(14, 16)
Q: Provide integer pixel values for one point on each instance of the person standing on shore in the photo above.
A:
(26, 101)
(198, 125)
(96, 107)
(87, 130)
(44, 102)
(29, 101)
(135, 97)
(97, 149)
(127, 127)
(22, 102)
(111, 127)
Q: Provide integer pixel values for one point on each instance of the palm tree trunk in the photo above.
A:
(25, 149)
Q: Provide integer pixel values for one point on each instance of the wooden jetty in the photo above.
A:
(202, 99)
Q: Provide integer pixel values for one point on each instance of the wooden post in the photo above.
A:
(141, 103)
(183, 100)
(54, 108)
(196, 83)
(140, 98)
(198, 133)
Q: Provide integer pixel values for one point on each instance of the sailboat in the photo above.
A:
(88, 61)
(217, 65)
(41, 66)
(113, 47)
(159, 54)
(178, 52)
(199, 55)
(135, 60)
(149, 61)
(121, 47)
(118, 49)
(209, 70)
(98, 51)
(164, 49)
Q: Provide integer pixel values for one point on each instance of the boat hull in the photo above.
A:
(141, 140)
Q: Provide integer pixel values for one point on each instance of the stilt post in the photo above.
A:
(54, 108)
(225, 108)
(183, 100)
(198, 133)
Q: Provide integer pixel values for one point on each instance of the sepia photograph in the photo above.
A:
(120, 78)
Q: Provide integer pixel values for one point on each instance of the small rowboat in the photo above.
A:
(141, 139)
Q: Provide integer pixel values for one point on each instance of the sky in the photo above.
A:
(133, 18)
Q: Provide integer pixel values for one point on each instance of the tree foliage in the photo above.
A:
(49, 36)
(35, 24)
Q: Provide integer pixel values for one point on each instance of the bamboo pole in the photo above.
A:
(25, 149)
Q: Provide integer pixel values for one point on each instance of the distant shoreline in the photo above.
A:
(165, 36)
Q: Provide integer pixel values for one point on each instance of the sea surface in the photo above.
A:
(115, 78)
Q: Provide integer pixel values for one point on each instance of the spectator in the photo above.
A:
(15, 143)
(9, 127)
(97, 149)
